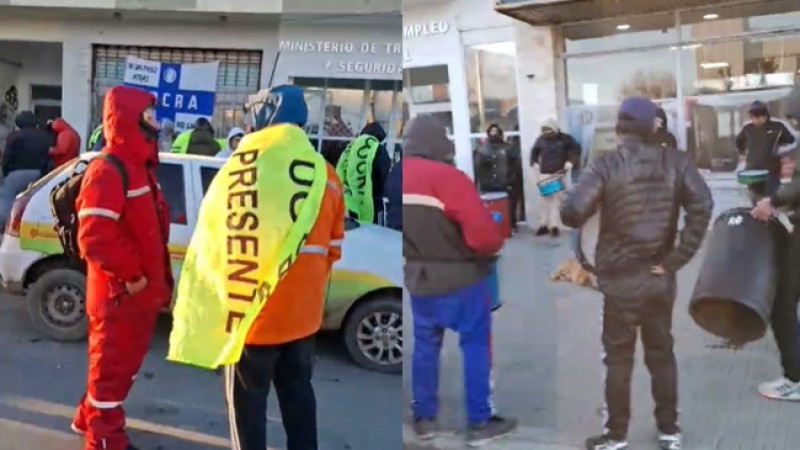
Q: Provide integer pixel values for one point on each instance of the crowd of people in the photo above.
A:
(643, 188)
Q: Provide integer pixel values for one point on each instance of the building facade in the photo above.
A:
(519, 62)
(59, 58)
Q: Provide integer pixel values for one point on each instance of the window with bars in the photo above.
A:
(239, 76)
(339, 108)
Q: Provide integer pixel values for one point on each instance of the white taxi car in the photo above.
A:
(364, 297)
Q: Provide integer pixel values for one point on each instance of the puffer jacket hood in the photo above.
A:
(426, 137)
(125, 137)
(60, 125)
(375, 130)
(552, 124)
(235, 131)
(494, 126)
(25, 119)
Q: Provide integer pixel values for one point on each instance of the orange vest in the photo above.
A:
(294, 311)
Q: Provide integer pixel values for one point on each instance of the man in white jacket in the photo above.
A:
(234, 137)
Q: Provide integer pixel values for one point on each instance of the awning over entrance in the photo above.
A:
(553, 12)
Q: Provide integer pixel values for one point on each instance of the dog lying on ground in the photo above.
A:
(571, 271)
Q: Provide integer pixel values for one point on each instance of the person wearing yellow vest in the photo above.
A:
(253, 301)
(95, 138)
(364, 168)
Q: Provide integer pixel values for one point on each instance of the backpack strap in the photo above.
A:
(117, 163)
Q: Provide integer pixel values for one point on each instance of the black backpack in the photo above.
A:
(62, 204)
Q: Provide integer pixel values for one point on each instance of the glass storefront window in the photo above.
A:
(339, 109)
(492, 85)
(651, 74)
(616, 34)
(750, 63)
(427, 84)
(718, 21)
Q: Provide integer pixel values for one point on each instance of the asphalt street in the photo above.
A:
(174, 407)
(549, 372)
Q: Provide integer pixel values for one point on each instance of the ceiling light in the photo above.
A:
(711, 16)
(714, 65)
(623, 27)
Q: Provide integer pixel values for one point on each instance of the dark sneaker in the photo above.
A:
(605, 443)
(555, 232)
(670, 442)
(542, 231)
(497, 427)
(425, 429)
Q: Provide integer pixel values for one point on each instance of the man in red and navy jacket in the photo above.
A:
(449, 245)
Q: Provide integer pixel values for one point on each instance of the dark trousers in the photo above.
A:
(622, 319)
(516, 206)
(247, 384)
(784, 318)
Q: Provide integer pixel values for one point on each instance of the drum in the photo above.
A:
(752, 177)
(551, 186)
(497, 202)
(736, 288)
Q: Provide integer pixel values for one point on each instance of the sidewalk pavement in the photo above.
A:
(549, 373)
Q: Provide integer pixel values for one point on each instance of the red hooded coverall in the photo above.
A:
(123, 237)
(68, 143)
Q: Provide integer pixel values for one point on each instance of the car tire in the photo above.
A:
(59, 294)
(388, 311)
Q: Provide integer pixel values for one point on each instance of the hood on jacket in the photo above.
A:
(235, 131)
(60, 125)
(426, 137)
(375, 130)
(124, 134)
(26, 119)
(552, 124)
(500, 134)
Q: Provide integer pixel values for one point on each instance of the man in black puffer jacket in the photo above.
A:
(640, 189)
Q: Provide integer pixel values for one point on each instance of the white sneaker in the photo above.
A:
(781, 389)
(669, 442)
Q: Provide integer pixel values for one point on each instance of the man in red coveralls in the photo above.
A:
(68, 143)
(123, 237)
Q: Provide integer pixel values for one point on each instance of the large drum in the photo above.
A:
(736, 288)
(497, 202)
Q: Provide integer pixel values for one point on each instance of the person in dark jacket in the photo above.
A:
(25, 159)
(758, 145)
(497, 166)
(381, 166)
(449, 245)
(784, 317)
(202, 141)
(394, 197)
(662, 135)
(640, 189)
(554, 152)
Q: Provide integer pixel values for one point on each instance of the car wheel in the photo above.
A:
(373, 335)
(57, 305)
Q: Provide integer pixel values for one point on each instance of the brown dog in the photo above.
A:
(571, 271)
